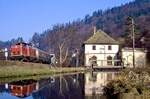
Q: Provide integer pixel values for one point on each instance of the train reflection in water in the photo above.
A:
(78, 86)
(62, 87)
(22, 88)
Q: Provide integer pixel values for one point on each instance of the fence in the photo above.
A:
(106, 63)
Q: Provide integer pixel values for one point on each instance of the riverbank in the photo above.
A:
(130, 83)
(22, 69)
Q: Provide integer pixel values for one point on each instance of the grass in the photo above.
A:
(22, 69)
(11, 79)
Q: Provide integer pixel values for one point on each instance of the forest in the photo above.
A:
(67, 38)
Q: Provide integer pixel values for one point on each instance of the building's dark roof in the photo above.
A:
(100, 37)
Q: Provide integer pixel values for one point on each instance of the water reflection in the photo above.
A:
(62, 87)
(95, 81)
(22, 88)
(77, 86)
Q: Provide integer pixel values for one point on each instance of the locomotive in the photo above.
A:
(26, 52)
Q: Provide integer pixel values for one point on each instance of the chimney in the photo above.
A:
(94, 29)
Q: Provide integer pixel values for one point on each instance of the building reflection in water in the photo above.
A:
(95, 81)
(77, 86)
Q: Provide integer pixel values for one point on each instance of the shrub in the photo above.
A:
(128, 82)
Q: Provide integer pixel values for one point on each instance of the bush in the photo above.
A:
(129, 81)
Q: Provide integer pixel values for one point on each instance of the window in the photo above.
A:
(94, 47)
(109, 60)
(93, 60)
(109, 47)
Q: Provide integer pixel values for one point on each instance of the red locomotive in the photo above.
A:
(23, 88)
(26, 52)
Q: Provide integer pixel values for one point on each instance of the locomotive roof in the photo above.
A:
(22, 43)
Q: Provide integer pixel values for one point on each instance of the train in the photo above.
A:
(26, 52)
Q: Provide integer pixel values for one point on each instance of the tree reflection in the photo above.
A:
(64, 87)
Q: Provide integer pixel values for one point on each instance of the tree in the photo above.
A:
(61, 41)
(35, 39)
(129, 33)
(63, 52)
(19, 40)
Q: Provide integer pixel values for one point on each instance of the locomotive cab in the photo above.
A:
(17, 49)
(22, 51)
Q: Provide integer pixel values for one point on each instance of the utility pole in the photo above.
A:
(133, 41)
(6, 53)
(94, 29)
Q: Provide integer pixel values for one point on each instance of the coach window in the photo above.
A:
(93, 47)
(109, 47)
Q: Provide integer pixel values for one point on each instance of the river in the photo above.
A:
(73, 86)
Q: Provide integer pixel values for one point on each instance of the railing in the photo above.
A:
(106, 63)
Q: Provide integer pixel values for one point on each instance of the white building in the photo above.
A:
(100, 50)
(140, 57)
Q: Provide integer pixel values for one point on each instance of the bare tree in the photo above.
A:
(63, 39)
(63, 53)
(63, 83)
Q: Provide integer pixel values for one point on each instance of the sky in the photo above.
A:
(22, 18)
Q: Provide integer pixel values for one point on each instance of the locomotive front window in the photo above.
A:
(18, 88)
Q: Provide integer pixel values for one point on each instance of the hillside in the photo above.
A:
(112, 21)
